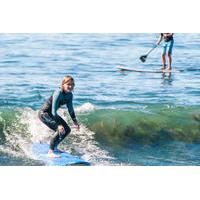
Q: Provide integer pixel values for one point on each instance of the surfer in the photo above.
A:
(167, 49)
(48, 114)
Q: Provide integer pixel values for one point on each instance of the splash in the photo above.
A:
(86, 107)
(28, 129)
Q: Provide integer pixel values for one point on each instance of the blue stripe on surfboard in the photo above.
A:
(40, 151)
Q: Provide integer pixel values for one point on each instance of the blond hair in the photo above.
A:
(67, 79)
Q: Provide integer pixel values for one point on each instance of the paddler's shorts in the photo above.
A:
(167, 47)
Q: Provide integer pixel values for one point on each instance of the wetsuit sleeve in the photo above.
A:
(71, 109)
(55, 102)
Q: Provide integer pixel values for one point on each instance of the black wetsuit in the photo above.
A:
(48, 115)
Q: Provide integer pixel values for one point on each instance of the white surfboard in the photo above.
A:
(122, 68)
(40, 151)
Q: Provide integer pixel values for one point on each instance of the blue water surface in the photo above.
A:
(32, 65)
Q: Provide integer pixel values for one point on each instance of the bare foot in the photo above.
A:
(51, 154)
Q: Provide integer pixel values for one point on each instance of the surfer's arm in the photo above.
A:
(55, 103)
(71, 110)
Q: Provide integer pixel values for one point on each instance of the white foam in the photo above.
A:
(38, 131)
(86, 107)
(82, 141)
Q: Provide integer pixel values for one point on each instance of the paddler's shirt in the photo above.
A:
(58, 99)
(166, 37)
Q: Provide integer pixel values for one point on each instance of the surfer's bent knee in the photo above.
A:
(67, 130)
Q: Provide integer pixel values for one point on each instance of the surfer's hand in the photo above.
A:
(76, 126)
(61, 129)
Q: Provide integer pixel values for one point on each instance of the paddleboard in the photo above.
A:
(122, 68)
(40, 151)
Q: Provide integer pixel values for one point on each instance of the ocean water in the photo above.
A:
(127, 118)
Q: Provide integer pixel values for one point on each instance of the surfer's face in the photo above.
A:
(68, 87)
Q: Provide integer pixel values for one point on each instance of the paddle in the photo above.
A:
(144, 57)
